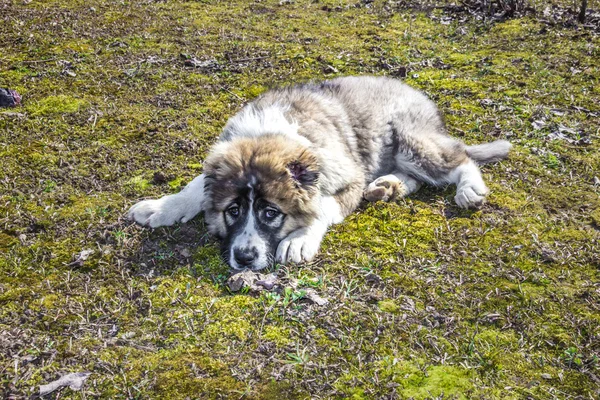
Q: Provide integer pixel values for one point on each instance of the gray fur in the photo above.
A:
(367, 127)
(489, 152)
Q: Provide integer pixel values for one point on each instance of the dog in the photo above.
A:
(299, 159)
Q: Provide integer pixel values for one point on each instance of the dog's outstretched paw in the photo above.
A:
(385, 188)
(298, 246)
(470, 197)
(158, 212)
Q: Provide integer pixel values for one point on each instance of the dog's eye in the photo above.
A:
(233, 211)
(270, 213)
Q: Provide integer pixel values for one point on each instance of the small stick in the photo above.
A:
(230, 92)
(38, 61)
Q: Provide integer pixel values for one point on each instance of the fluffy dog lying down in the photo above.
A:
(299, 159)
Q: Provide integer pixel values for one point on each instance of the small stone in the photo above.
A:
(112, 332)
(408, 304)
(185, 252)
(373, 279)
(12, 114)
(546, 376)
(9, 98)
(159, 178)
(128, 335)
(206, 65)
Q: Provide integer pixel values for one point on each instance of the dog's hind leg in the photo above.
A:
(391, 187)
(168, 210)
(471, 191)
(470, 188)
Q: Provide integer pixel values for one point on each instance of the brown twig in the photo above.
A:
(38, 61)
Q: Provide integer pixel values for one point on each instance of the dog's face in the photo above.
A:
(258, 191)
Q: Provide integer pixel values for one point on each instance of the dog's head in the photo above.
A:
(258, 191)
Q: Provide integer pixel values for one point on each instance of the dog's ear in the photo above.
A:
(303, 174)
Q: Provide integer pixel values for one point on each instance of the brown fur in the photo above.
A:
(232, 166)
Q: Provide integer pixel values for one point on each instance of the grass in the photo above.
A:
(425, 300)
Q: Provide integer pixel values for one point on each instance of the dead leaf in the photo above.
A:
(81, 257)
(74, 380)
(539, 124)
(311, 295)
(253, 280)
(269, 282)
(240, 280)
(205, 65)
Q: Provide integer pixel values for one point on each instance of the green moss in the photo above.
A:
(514, 29)
(61, 104)
(7, 241)
(595, 216)
(425, 299)
(177, 183)
(388, 306)
(194, 166)
(139, 183)
(208, 261)
(183, 373)
(231, 312)
(417, 381)
(435, 381)
(277, 335)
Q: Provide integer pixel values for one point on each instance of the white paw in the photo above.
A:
(298, 246)
(385, 188)
(160, 212)
(470, 196)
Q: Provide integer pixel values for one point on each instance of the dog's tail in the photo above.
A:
(489, 152)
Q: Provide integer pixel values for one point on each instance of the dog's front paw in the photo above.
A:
(298, 246)
(159, 212)
(470, 196)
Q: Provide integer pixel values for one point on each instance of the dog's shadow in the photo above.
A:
(167, 250)
(444, 197)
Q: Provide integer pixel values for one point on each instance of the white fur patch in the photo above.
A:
(303, 244)
(250, 239)
(168, 210)
(253, 122)
(330, 211)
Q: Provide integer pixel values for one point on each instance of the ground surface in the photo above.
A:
(425, 300)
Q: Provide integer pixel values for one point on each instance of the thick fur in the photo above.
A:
(298, 159)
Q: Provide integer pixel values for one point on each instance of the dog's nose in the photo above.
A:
(244, 257)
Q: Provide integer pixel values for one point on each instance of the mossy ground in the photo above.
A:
(426, 300)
